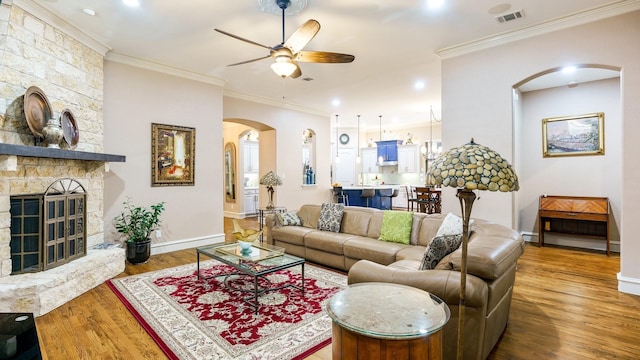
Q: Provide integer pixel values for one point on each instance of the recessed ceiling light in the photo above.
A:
(89, 12)
(132, 3)
(418, 85)
(435, 4)
(499, 9)
(335, 102)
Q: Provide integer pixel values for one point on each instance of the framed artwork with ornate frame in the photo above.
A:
(573, 135)
(172, 155)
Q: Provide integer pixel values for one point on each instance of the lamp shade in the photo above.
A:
(473, 167)
(283, 66)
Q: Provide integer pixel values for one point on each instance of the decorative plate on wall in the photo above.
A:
(37, 110)
(69, 128)
(344, 139)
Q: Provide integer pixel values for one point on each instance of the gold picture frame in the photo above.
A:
(172, 155)
(573, 135)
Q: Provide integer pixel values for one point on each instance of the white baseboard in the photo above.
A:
(165, 247)
(577, 242)
(628, 285)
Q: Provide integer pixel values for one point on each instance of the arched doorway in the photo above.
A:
(254, 142)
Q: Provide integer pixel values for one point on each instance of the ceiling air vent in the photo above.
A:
(510, 16)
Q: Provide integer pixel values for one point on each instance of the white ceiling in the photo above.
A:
(394, 44)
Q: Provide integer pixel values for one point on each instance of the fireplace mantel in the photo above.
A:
(44, 152)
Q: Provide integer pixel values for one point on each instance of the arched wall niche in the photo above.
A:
(550, 93)
(308, 157)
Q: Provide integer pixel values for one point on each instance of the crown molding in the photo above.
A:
(271, 102)
(61, 24)
(165, 69)
(564, 22)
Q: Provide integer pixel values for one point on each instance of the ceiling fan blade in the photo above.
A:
(243, 39)
(252, 60)
(323, 57)
(302, 36)
(296, 74)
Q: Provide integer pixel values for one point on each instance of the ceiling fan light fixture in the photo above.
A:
(283, 66)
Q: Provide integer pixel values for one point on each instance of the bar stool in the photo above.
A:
(386, 193)
(368, 194)
(339, 196)
(394, 194)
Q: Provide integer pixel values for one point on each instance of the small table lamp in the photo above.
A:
(467, 168)
(271, 180)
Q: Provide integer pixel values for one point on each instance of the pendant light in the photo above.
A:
(358, 142)
(337, 156)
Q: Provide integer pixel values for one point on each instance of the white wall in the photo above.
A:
(477, 93)
(574, 175)
(133, 99)
(287, 139)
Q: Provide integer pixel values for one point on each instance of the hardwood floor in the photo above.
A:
(565, 306)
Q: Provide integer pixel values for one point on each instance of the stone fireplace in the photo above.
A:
(43, 291)
(68, 66)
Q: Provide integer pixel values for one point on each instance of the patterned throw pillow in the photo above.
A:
(451, 225)
(331, 217)
(396, 226)
(438, 248)
(288, 219)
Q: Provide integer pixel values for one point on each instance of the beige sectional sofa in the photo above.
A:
(492, 256)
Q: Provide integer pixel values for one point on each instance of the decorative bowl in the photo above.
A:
(245, 245)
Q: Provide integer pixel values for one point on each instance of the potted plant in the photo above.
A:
(137, 223)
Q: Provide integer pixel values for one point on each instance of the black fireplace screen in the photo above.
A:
(48, 230)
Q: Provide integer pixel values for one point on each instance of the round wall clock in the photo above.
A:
(344, 139)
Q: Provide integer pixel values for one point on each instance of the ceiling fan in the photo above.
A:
(288, 53)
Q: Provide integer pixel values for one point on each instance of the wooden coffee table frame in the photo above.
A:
(256, 269)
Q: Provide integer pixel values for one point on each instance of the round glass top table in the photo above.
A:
(387, 321)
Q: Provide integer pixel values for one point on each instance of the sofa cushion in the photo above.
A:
(309, 215)
(331, 217)
(375, 224)
(355, 220)
(327, 241)
(381, 252)
(288, 219)
(290, 234)
(438, 248)
(396, 226)
(428, 228)
(415, 228)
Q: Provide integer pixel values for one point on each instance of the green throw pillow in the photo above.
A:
(396, 226)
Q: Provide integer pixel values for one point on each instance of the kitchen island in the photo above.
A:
(378, 201)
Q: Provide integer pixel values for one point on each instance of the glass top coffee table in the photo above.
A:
(259, 261)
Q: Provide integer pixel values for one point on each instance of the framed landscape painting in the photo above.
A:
(573, 135)
(172, 155)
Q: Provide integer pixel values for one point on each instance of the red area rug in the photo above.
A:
(206, 319)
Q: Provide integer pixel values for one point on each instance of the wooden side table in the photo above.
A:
(387, 321)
